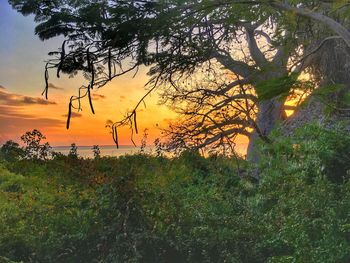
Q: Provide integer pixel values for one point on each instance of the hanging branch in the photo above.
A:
(63, 53)
(132, 134)
(92, 76)
(109, 64)
(131, 118)
(69, 112)
(90, 100)
(98, 83)
(88, 59)
(46, 89)
(135, 123)
(115, 136)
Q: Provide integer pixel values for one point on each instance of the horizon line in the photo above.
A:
(128, 145)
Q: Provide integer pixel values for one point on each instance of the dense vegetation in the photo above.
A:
(143, 208)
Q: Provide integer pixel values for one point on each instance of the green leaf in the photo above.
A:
(274, 87)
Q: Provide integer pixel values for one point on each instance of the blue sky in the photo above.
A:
(22, 53)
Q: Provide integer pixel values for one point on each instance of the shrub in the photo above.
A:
(11, 151)
(142, 208)
(34, 149)
(303, 199)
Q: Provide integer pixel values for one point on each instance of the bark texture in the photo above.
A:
(270, 113)
(332, 66)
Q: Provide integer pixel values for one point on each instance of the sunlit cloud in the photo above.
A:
(11, 124)
(14, 112)
(11, 99)
(12, 127)
(98, 96)
(73, 115)
(17, 117)
(14, 123)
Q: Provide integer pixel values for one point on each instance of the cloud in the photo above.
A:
(12, 128)
(98, 96)
(109, 122)
(14, 122)
(16, 117)
(73, 115)
(11, 99)
(10, 124)
(13, 112)
(53, 86)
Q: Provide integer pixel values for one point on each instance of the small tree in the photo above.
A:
(73, 152)
(96, 151)
(34, 149)
(144, 141)
(10, 150)
(158, 146)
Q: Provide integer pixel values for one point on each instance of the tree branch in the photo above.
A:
(233, 65)
(329, 22)
(254, 50)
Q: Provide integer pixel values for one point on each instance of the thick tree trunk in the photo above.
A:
(327, 108)
(270, 112)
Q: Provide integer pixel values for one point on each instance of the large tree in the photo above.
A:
(105, 39)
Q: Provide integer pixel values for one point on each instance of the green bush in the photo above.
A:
(303, 197)
(141, 208)
(41, 218)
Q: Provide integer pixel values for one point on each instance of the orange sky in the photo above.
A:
(111, 103)
(25, 111)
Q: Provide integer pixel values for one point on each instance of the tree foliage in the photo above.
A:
(10, 150)
(34, 148)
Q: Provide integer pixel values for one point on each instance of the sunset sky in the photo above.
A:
(22, 107)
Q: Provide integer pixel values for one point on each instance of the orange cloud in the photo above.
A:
(73, 115)
(17, 115)
(98, 96)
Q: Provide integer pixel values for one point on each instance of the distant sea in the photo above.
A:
(112, 150)
(106, 150)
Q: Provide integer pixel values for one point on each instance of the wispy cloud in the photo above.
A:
(73, 115)
(98, 96)
(14, 126)
(14, 112)
(12, 99)
(53, 86)
(16, 117)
